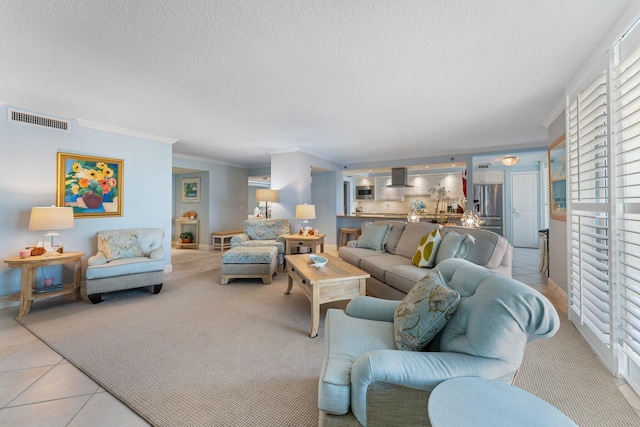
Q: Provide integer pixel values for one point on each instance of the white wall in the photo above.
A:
(28, 155)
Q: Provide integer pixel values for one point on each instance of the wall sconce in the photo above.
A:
(470, 220)
(510, 160)
(51, 218)
(305, 212)
(266, 195)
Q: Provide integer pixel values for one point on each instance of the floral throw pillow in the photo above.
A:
(117, 246)
(424, 312)
(425, 255)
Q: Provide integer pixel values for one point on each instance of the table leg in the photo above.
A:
(77, 280)
(363, 287)
(315, 311)
(29, 274)
(289, 284)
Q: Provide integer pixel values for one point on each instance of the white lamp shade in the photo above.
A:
(266, 195)
(51, 218)
(305, 211)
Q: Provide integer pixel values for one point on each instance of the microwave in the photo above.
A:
(365, 192)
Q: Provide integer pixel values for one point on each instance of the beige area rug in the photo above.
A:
(563, 371)
(204, 354)
(198, 353)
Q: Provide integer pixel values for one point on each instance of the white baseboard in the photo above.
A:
(558, 295)
(4, 302)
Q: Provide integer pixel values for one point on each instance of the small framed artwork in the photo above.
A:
(92, 186)
(558, 179)
(190, 190)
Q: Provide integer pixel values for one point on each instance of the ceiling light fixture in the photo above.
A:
(510, 160)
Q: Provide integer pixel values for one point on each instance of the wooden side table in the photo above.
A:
(29, 267)
(180, 227)
(298, 241)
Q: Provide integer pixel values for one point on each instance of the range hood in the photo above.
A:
(399, 178)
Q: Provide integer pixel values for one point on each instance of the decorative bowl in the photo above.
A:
(318, 261)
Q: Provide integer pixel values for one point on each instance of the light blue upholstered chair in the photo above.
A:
(365, 380)
(264, 232)
(126, 259)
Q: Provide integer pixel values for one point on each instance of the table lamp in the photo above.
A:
(52, 219)
(266, 195)
(305, 212)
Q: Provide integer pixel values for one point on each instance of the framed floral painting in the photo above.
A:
(190, 190)
(92, 186)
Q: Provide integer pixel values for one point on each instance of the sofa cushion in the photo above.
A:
(266, 229)
(454, 245)
(125, 266)
(424, 312)
(404, 277)
(373, 236)
(489, 249)
(260, 243)
(397, 227)
(411, 236)
(346, 338)
(354, 256)
(425, 255)
(377, 265)
(117, 246)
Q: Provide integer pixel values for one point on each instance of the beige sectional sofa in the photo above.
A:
(392, 271)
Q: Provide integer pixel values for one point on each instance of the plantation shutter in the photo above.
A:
(589, 217)
(626, 106)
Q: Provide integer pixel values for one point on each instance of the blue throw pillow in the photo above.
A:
(424, 312)
(454, 245)
(374, 236)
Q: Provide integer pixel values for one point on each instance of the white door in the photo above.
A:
(524, 209)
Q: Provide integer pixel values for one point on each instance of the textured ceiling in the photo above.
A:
(350, 80)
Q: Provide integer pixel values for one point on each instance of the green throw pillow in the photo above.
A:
(116, 246)
(373, 236)
(424, 312)
(425, 256)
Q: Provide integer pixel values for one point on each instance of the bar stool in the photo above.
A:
(346, 233)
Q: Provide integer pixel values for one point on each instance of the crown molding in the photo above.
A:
(206, 160)
(123, 131)
(557, 110)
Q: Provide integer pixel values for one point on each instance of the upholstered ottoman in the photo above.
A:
(249, 262)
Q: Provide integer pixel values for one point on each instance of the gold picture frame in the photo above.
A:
(92, 186)
(558, 179)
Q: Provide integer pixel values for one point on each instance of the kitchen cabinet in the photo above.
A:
(421, 184)
(385, 193)
(488, 177)
(453, 183)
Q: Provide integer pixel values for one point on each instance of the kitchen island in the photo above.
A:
(357, 219)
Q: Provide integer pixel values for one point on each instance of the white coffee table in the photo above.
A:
(480, 402)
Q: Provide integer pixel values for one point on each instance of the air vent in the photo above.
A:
(484, 165)
(33, 119)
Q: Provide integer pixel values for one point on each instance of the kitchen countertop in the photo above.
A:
(398, 215)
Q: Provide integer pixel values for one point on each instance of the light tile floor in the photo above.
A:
(40, 388)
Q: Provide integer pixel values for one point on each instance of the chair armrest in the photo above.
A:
(417, 370)
(372, 308)
(281, 238)
(239, 238)
(97, 259)
(157, 253)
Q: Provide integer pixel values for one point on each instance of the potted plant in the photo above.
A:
(186, 236)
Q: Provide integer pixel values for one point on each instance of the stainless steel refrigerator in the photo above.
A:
(487, 204)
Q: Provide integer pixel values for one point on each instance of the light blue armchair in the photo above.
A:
(365, 380)
(264, 232)
(126, 259)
